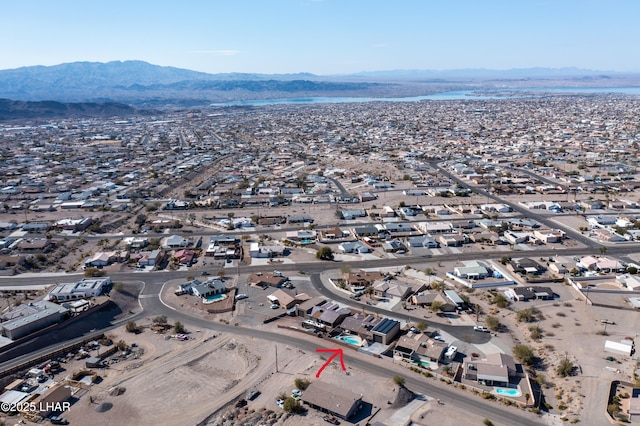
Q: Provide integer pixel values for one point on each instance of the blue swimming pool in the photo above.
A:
(352, 340)
(508, 392)
(213, 298)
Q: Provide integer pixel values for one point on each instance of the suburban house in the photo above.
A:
(202, 289)
(224, 247)
(385, 288)
(74, 225)
(393, 246)
(335, 235)
(359, 280)
(185, 256)
(147, 258)
(352, 214)
(331, 314)
(267, 279)
(35, 245)
(451, 240)
(306, 308)
(85, 288)
(525, 266)
(602, 264)
(530, 293)
(495, 370)
(423, 241)
(287, 299)
(101, 258)
(327, 398)
(472, 269)
(426, 298)
(548, 236)
(175, 242)
(385, 331)
(419, 348)
(359, 324)
(357, 247)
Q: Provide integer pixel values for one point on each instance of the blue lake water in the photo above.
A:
(498, 93)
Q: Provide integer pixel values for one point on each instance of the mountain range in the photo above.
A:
(141, 84)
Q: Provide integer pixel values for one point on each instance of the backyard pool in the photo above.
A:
(352, 340)
(514, 393)
(425, 364)
(214, 298)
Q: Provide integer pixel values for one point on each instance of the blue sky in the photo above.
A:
(324, 36)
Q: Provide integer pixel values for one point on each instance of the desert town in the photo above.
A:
(379, 263)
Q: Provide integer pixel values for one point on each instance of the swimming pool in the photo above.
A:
(352, 340)
(509, 392)
(214, 298)
(425, 364)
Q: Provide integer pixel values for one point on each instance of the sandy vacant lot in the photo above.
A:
(198, 381)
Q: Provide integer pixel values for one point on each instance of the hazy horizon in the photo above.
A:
(325, 37)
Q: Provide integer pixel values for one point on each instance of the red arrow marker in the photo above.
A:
(336, 352)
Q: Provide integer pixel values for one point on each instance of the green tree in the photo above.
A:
(140, 219)
(422, 326)
(399, 380)
(493, 323)
(292, 406)
(525, 315)
(94, 272)
(325, 253)
(160, 319)
(438, 285)
(564, 368)
(178, 327)
(302, 384)
(131, 326)
(500, 300)
(524, 354)
(535, 332)
(437, 306)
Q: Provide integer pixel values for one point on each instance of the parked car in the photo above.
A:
(241, 296)
(296, 392)
(253, 394)
(274, 306)
(280, 403)
(57, 420)
(331, 419)
(481, 328)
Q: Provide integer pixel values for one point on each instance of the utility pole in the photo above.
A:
(276, 358)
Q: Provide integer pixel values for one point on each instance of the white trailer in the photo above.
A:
(618, 348)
